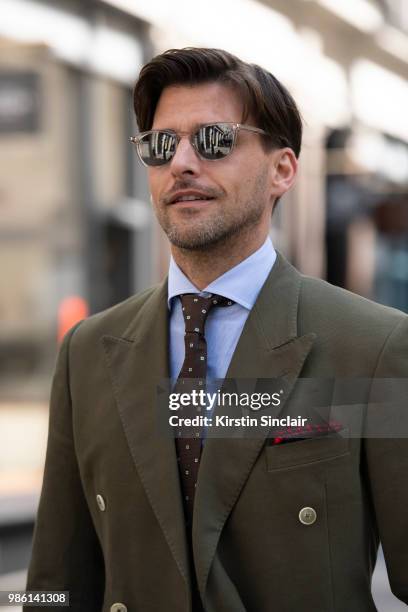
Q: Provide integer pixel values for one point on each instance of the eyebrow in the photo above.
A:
(196, 126)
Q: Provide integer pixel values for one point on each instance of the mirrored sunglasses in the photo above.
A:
(211, 141)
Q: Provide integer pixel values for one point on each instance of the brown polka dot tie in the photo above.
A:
(195, 312)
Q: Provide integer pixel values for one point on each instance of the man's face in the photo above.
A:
(237, 185)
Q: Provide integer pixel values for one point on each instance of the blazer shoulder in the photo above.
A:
(341, 309)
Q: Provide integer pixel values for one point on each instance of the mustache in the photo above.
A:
(209, 192)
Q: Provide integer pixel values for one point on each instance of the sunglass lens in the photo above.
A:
(157, 148)
(215, 141)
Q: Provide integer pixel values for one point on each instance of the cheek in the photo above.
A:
(154, 184)
(151, 179)
(241, 172)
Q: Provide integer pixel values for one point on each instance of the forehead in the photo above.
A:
(182, 107)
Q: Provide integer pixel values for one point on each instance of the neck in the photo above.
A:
(203, 266)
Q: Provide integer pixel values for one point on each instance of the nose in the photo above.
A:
(185, 160)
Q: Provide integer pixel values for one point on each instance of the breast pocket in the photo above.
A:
(306, 452)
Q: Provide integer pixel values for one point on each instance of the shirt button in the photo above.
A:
(307, 516)
(102, 507)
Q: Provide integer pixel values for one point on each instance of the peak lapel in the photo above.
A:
(268, 348)
(137, 363)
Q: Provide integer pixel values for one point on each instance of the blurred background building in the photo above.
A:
(76, 229)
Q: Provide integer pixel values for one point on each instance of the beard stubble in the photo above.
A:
(197, 234)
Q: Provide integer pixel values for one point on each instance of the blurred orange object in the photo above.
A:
(71, 310)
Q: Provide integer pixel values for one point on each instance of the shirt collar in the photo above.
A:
(242, 283)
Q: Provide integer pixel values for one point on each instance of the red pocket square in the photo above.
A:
(292, 434)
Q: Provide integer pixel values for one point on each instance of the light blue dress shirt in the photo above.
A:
(223, 326)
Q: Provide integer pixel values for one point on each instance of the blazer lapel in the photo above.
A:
(138, 362)
(269, 347)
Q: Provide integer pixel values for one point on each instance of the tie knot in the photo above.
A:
(196, 308)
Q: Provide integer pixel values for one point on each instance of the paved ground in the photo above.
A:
(23, 428)
(384, 599)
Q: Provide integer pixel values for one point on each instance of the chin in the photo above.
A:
(195, 241)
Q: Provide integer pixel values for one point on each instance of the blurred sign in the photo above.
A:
(19, 102)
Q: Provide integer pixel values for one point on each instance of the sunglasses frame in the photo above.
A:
(236, 127)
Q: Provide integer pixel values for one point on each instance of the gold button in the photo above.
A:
(307, 516)
(101, 504)
(118, 607)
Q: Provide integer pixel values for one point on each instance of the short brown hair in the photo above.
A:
(264, 97)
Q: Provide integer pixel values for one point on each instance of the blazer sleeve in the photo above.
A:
(66, 554)
(387, 468)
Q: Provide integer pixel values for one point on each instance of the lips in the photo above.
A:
(189, 197)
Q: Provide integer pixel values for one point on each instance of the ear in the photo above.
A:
(283, 171)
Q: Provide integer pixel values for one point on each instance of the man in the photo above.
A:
(130, 519)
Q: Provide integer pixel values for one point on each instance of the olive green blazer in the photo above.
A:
(110, 525)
